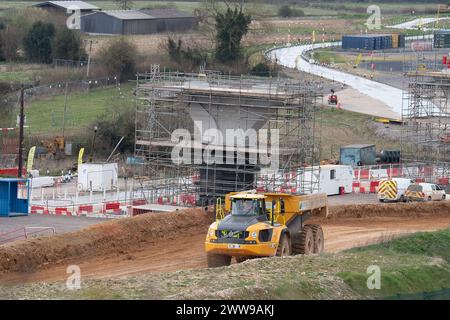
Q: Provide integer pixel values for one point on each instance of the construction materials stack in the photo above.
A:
(442, 39)
(373, 41)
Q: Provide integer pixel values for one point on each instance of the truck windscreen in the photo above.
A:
(246, 207)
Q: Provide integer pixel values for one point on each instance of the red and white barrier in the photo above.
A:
(38, 210)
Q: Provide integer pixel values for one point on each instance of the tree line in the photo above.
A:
(33, 36)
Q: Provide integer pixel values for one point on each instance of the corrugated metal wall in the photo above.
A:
(158, 25)
(175, 24)
(101, 23)
(137, 26)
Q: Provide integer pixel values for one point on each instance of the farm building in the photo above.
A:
(62, 7)
(137, 21)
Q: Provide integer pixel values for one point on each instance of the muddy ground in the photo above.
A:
(174, 241)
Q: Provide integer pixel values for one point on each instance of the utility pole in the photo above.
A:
(65, 110)
(89, 57)
(91, 156)
(21, 125)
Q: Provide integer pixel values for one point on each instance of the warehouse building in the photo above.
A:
(137, 21)
(66, 7)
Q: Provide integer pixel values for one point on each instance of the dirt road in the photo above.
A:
(186, 251)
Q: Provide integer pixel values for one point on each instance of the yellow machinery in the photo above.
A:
(54, 147)
(252, 224)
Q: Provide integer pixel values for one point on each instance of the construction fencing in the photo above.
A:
(120, 202)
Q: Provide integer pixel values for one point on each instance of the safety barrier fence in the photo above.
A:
(107, 209)
(23, 233)
(117, 204)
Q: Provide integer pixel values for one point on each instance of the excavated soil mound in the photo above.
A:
(410, 209)
(120, 237)
(112, 237)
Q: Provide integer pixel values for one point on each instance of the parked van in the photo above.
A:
(425, 192)
(393, 189)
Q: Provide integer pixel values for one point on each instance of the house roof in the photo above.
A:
(358, 146)
(167, 13)
(128, 14)
(145, 14)
(69, 4)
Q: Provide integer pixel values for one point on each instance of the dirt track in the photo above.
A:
(184, 249)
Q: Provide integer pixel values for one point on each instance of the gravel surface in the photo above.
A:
(62, 224)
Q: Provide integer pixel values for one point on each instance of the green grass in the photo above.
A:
(428, 244)
(15, 76)
(45, 116)
(407, 279)
(328, 56)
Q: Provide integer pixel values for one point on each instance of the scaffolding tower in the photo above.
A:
(283, 110)
(426, 114)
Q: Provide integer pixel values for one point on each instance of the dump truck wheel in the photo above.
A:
(318, 237)
(241, 259)
(303, 242)
(284, 247)
(217, 260)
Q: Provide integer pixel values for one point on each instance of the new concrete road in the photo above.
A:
(295, 57)
(416, 23)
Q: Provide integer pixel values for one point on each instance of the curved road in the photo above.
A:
(294, 57)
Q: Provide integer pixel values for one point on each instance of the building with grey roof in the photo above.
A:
(64, 6)
(128, 22)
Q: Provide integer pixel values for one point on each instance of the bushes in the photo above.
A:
(115, 123)
(231, 26)
(68, 45)
(286, 11)
(262, 69)
(119, 58)
(185, 56)
(10, 41)
(37, 42)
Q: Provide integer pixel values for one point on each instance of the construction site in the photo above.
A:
(319, 170)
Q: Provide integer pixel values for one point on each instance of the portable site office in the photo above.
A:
(14, 197)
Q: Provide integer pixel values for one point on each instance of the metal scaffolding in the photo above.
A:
(167, 101)
(426, 116)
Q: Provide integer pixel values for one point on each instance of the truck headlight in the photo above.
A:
(254, 234)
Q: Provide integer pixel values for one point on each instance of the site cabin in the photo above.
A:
(252, 224)
(14, 197)
(331, 179)
(98, 176)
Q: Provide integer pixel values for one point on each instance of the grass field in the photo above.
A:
(344, 9)
(182, 5)
(15, 76)
(45, 116)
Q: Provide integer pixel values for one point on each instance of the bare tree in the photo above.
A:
(124, 4)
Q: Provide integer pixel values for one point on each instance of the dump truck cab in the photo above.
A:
(251, 225)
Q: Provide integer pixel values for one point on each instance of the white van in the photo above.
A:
(393, 189)
(425, 192)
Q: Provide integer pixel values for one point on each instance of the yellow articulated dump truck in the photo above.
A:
(252, 225)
